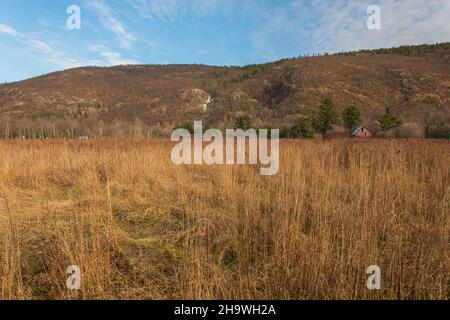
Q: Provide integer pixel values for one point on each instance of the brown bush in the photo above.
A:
(410, 130)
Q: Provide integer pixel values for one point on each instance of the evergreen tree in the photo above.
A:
(351, 118)
(388, 121)
(326, 118)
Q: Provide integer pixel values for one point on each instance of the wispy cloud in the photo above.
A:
(341, 25)
(165, 10)
(111, 23)
(29, 41)
(279, 21)
(114, 58)
(49, 54)
(333, 26)
(64, 61)
(110, 57)
(40, 46)
(172, 10)
(6, 29)
(213, 31)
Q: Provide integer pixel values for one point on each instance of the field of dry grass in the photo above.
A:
(140, 227)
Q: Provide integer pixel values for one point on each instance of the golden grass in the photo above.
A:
(142, 228)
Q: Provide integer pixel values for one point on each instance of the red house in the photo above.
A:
(362, 133)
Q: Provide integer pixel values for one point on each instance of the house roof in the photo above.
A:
(355, 131)
(358, 130)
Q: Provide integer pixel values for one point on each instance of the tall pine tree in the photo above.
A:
(351, 117)
(326, 118)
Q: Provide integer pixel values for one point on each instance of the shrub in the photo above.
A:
(438, 132)
(409, 130)
(269, 130)
(243, 122)
(187, 126)
(303, 129)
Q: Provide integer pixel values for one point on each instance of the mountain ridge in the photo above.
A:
(149, 100)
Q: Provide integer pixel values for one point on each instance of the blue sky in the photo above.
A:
(34, 38)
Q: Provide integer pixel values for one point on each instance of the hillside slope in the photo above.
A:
(414, 82)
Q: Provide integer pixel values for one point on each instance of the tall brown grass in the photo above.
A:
(140, 227)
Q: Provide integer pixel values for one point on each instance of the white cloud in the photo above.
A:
(114, 59)
(26, 40)
(61, 60)
(40, 46)
(57, 58)
(342, 24)
(165, 10)
(274, 23)
(210, 7)
(97, 47)
(6, 29)
(109, 57)
(172, 10)
(111, 23)
(333, 26)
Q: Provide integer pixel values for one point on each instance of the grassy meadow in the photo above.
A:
(140, 227)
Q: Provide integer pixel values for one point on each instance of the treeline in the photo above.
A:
(69, 129)
(249, 71)
(321, 123)
(437, 132)
(326, 119)
(412, 50)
